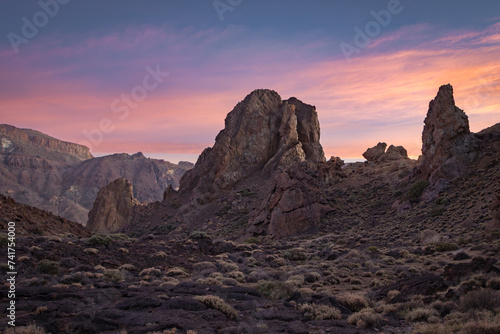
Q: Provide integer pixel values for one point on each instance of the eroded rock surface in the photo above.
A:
(113, 207)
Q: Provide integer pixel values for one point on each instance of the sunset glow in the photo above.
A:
(64, 83)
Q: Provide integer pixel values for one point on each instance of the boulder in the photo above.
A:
(394, 153)
(374, 153)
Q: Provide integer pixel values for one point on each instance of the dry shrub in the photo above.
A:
(226, 267)
(113, 275)
(127, 267)
(366, 318)
(353, 302)
(150, 272)
(484, 299)
(177, 272)
(296, 280)
(30, 329)
(421, 314)
(319, 312)
(295, 254)
(275, 290)
(237, 275)
(494, 283)
(219, 305)
(481, 327)
(204, 266)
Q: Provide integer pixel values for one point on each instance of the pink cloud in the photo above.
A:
(382, 95)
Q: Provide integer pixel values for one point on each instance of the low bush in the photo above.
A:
(319, 312)
(219, 305)
(366, 318)
(99, 240)
(48, 267)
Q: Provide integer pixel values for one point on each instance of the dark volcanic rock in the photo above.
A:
(446, 138)
(261, 133)
(426, 285)
(113, 207)
(494, 224)
(264, 140)
(375, 152)
(395, 153)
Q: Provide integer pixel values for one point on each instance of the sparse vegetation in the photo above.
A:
(99, 240)
(218, 304)
(48, 267)
(366, 318)
(113, 275)
(416, 190)
(319, 312)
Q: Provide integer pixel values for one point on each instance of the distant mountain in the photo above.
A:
(64, 178)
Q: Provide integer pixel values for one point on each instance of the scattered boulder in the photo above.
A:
(113, 207)
(394, 153)
(374, 153)
(446, 138)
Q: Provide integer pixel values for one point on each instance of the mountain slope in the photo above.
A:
(64, 178)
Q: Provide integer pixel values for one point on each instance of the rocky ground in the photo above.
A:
(431, 269)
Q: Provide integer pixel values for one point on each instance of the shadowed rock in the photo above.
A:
(375, 152)
(113, 207)
(446, 138)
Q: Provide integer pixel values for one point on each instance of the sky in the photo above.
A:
(159, 76)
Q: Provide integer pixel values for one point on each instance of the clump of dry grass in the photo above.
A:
(366, 318)
(219, 305)
(319, 312)
(353, 302)
(421, 314)
(30, 329)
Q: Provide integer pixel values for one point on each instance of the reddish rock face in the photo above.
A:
(264, 137)
(113, 207)
(446, 138)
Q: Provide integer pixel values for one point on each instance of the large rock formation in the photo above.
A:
(265, 139)
(113, 207)
(64, 178)
(446, 138)
(262, 133)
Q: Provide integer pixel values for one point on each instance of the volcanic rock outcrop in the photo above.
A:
(378, 153)
(446, 138)
(372, 154)
(113, 207)
(494, 224)
(264, 138)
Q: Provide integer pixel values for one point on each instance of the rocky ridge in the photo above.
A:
(64, 178)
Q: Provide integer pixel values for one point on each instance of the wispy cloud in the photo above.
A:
(62, 85)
